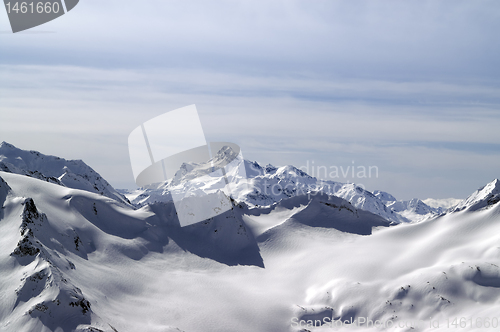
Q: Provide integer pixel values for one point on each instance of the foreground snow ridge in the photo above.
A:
(73, 259)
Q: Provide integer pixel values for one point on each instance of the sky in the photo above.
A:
(410, 87)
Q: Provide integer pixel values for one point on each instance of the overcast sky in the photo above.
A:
(412, 87)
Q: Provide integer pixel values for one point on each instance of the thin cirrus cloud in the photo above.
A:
(361, 39)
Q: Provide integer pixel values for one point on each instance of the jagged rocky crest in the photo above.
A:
(31, 221)
(44, 288)
(70, 173)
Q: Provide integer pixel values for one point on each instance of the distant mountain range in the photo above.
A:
(267, 185)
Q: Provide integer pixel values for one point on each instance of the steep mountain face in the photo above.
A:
(484, 197)
(320, 210)
(4, 190)
(44, 288)
(35, 258)
(70, 173)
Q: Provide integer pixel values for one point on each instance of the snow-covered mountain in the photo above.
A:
(414, 210)
(443, 203)
(259, 186)
(365, 200)
(384, 197)
(484, 197)
(64, 252)
(73, 260)
(69, 173)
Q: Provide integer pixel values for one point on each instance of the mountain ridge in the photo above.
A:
(260, 186)
(484, 197)
(69, 173)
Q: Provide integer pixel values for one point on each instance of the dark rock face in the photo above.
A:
(31, 219)
(25, 246)
(47, 277)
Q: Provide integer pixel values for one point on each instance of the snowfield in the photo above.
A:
(77, 260)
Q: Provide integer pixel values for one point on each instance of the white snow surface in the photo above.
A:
(75, 260)
(444, 203)
(70, 173)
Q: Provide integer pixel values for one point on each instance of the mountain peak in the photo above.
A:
(191, 170)
(495, 183)
(226, 153)
(491, 188)
(384, 196)
(7, 145)
(270, 169)
(481, 198)
(293, 171)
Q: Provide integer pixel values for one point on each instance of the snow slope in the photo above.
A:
(443, 268)
(38, 286)
(75, 260)
(70, 173)
(482, 198)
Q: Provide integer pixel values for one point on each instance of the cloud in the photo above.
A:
(411, 40)
(87, 113)
(411, 86)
